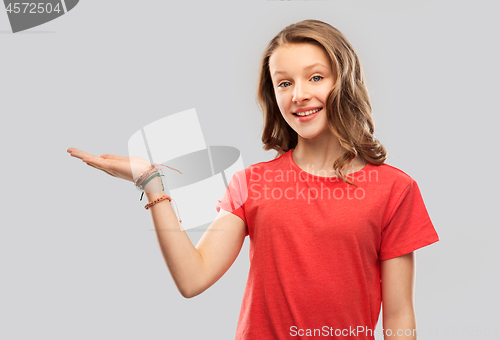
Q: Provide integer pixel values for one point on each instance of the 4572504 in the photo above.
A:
(33, 8)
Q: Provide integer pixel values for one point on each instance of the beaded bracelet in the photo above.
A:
(164, 197)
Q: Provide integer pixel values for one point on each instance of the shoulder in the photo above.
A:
(392, 171)
(271, 165)
(389, 175)
(258, 169)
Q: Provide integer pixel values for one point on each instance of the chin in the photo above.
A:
(312, 134)
(308, 136)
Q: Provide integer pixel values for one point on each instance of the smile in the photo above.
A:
(307, 113)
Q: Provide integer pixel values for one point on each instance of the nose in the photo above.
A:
(300, 93)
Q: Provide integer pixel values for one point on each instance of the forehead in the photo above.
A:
(297, 55)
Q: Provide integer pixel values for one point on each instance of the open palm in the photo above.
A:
(127, 168)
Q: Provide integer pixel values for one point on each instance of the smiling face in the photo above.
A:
(302, 79)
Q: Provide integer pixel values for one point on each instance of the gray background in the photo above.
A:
(79, 259)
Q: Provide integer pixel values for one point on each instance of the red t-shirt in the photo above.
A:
(316, 245)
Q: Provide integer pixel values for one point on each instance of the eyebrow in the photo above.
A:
(306, 68)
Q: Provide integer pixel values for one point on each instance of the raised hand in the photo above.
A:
(127, 168)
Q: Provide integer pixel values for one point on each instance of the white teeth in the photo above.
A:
(307, 113)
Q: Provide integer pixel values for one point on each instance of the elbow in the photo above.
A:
(186, 295)
(186, 292)
(190, 293)
(189, 288)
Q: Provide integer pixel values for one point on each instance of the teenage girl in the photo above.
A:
(332, 227)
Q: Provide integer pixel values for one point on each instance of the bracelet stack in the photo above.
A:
(146, 176)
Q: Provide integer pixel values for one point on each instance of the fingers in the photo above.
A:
(102, 169)
(82, 154)
(79, 153)
(100, 163)
(113, 165)
(109, 156)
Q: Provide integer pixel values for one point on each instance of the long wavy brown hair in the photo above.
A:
(349, 111)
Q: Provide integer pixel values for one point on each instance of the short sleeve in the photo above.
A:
(408, 227)
(235, 196)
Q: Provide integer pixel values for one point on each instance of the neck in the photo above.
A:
(319, 154)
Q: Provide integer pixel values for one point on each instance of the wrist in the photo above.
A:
(154, 186)
(144, 175)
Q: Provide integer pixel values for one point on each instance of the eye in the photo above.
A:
(320, 77)
(285, 82)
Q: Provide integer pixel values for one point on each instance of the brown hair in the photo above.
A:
(348, 104)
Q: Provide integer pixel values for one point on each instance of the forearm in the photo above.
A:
(400, 327)
(183, 260)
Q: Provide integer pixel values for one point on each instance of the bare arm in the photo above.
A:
(397, 279)
(193, 269)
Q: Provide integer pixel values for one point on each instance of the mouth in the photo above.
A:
(307, 113)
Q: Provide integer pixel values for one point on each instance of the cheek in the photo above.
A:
(282, 105)
(325, 93)
(280, 100)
